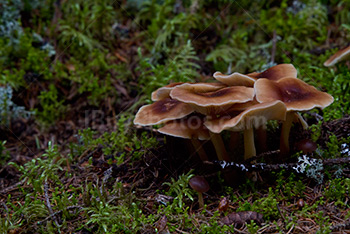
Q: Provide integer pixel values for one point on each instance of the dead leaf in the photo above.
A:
(223, 205)
(161, 225)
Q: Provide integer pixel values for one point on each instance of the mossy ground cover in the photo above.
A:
(74, 73)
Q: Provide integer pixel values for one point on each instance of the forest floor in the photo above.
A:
(72, 161)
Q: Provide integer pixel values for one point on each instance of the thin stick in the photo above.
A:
(274, 42)
(13, 187)
(46, 191)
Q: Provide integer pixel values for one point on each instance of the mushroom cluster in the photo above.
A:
(237, 103)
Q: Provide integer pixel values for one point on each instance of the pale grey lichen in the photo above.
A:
(10, 25)
(296, 7)
(311, 166)
(8, 109)
(345, 149)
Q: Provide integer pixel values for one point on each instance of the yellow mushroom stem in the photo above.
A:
(199, 149)
(285, 131)
(219, 146)
(249, 146)
(200, 200)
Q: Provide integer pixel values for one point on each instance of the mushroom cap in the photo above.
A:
(235, 79)
(295, 93)
(211, 100)
(242, 106)
(306, 145)
(162, 111)
(190, 127)
(337, 57)
(254, 116)
(276, 72)
(163, 92)
(199, 184)
(273, 73)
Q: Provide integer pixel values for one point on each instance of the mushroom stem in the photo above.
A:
(199, 149)
(300, 120)
(200, 200)
(249, 146)
(262, 138)
(286, 126)
(219, 147)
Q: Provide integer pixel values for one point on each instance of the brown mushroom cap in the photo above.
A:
(199, 184)
(276, 72)
(211, 99)
(190, 127)
(338, 56)
(273, 73)
(242, 106)
(306, 145)
(235, 79)
(163, 92)
(254, 116)
(161, 112)
(295, 93)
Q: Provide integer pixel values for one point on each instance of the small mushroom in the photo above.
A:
(162, 111)
(273, 73)
(342, 54)
(296, 95)
(200, 185)
(306, 146)
(190, 127)
(254, 116)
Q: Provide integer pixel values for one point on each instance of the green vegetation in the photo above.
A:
(73, 74)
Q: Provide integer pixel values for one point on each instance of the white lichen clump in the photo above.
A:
(313, 168)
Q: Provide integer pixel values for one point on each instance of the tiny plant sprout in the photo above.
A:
(200, 185)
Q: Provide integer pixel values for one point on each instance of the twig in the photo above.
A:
(12, 187)
(279, 210)
(271, 167)
(328, 37)
(229, 69)
(5, 206)
(339, 226)
(290, 230)
(46, 191)
(274, 42)
(58, 212)
(318, 117)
